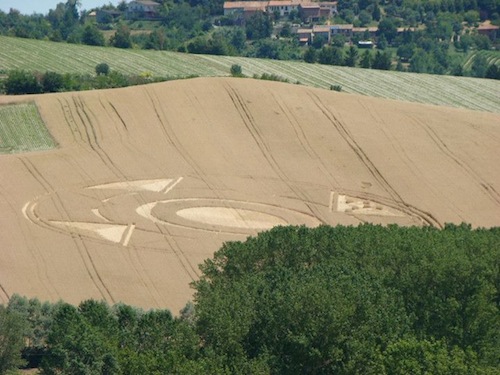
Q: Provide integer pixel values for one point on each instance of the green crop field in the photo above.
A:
(22, 129)
(492, 57)
(472, 93)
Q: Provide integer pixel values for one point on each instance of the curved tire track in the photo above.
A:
(487, 188)
(303, 140)
(84, 115)
(250, 124)
(84, 253)
(370, 166)
(406, 159)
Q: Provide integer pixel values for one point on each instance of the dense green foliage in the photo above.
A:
(21, 82)
(350, 300)
(294, 300)
(12, 330)
(438, 38)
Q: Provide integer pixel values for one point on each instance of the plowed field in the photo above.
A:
(149, 181)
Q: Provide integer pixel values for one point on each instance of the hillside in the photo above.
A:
(149, 181)
(471, 93)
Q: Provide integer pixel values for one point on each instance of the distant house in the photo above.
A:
(345, 30)
(371, 31)
(244, 8)
(143, 9)
(322, 31)
(491, 31)
(91, 16)
(326, 32)
(106, 15)
(305, 36)
(283, 8)
(311, 11)
(327, 9)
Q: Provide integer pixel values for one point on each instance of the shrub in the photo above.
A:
(236, 70)
(22, 82)
(102, 69)
(270, 77)
(336, 88)
(52, 82)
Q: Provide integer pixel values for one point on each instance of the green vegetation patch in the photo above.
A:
(22, 129)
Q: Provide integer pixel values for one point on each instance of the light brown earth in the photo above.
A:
(149, 181)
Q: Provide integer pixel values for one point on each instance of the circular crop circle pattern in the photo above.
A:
(222, 215)
(231, 217)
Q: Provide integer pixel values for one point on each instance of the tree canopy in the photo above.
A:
(295, 300)
(350, 300)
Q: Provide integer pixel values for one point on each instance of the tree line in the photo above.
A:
(293, 300)
(20, 82)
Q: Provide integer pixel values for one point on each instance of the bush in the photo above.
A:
(102, 69)
(52, 82)
(271, 77)
(336, 88)
(22, 82)
(236, 70)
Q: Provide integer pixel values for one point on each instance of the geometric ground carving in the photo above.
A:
(353, 205)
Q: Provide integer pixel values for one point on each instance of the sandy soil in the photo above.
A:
(149, 181)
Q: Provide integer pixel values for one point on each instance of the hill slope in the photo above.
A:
(472, 93)
(148, 181)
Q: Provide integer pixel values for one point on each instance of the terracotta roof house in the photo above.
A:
(372, 31)
(307, 9)
(327, 8)
(491, 31)
(309, 12)
(305, 36)
(345, 30)
(143, 9)
(327, 31)
(283, 7)
(244, 8)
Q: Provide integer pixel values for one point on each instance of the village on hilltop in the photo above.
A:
(315, 19)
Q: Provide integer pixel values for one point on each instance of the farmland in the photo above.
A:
(22, 129)
(471, 93)
(148, 181)
(492, 57)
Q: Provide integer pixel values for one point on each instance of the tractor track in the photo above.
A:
(411, 166)
(123, 133)
(92, 137)
(4, 291)
(264, 148)
(79, 243)
(172, 139)
(40, 263)
(68, 116)
(374, 171)
(112, 166)
(304, 142)
(467, 169)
